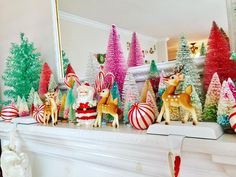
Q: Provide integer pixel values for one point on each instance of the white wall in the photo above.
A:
(35, 20)
(80, 37)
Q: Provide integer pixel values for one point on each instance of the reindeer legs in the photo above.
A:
(53, 118)
(167, 112)
(161, 114)
(186, 116)
(56, 117)
(115, 122)
(194, 115)
(98, 121)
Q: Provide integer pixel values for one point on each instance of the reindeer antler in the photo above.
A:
(178, 69)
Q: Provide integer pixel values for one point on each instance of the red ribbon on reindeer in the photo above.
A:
(104, 80)
(74, 76)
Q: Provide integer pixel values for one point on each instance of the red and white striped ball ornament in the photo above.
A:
(38, 113)
(9, 112)
(232, 118)
(141, 115)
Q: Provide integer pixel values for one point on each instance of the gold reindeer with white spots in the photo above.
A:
(183, 100)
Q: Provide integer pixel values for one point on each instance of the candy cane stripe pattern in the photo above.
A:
(71, 75)
(100, 82)
(232, 118)
(141, 115)
(9, 112)
(38, 113)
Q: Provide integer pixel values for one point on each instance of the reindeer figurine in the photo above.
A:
(107, 106)
(183, 100)
(51, 108)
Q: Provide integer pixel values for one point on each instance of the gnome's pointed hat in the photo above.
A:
(69, 69)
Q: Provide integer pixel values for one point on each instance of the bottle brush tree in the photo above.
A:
(130, 84)
(52, 86)
(184, 60)
(203, 49)
(226, 102)
(115, 61)
(135, 53)
(65, 61)
(212, 99)
(218, 58)
(22, 71)
(154, 76)
(44, 79)
(195, 100)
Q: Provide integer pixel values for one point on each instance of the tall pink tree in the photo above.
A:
(135, 52)
(115, 61)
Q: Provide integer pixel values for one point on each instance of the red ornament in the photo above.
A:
(9, 112)
(38, 113)
(141, 115)
(232, 118)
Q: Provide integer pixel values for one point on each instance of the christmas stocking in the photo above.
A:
(174, 156)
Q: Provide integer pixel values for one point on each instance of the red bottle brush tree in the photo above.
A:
(135, 53)
(115, 62)
(218, 57)
(225, 36)
(44, 79)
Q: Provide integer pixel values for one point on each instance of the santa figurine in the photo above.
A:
(86, 105)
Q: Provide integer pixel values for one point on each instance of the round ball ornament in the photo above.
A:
(232, 118)
(9, 112)
(38, 113)
(141, 115)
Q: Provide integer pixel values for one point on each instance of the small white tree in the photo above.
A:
(30, 99)
(212, 99)
(129, 100)
(37, 100)
(183, 58)
(18, 102)
(195, 100)
(52, 84)
(131, 84)
(92, 69)
(226, 102)
(161, 88)
(23, 108)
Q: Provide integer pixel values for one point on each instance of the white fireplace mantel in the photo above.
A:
(68, 150)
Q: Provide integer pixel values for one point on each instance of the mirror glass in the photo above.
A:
(85, 26)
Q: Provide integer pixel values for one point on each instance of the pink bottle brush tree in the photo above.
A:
(115, 61)
(135, 53)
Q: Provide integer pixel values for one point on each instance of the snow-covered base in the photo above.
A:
(206, 130)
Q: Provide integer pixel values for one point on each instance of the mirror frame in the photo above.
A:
(57, 41)
(58, 46)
